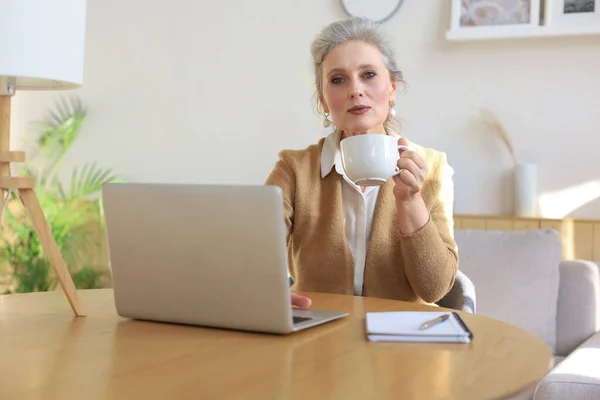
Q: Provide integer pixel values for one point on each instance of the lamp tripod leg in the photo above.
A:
(4, 204)
(44, 233)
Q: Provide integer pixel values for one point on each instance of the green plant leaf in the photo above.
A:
(89, 180)
(74, 215)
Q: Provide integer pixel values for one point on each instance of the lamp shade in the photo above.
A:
(42, 43)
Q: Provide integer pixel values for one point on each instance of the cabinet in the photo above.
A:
(580, 238)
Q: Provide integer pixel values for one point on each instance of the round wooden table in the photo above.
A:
(47, 352)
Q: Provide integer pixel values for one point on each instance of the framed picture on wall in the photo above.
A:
(572, 13)
(495, 14)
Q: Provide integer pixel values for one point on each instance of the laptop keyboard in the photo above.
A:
(297, 320)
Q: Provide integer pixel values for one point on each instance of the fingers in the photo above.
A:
(414, 167)
(300, 301)
(416, 174)
(402, 142)
(415, 158)
(409, 179)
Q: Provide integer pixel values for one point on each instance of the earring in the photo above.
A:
(326, 121)
(392, 109)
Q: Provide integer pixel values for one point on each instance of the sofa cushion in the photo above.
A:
(576, 377)
(578, 311)
(516, 276)
(528, 393)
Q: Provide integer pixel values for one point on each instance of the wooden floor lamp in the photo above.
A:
(41, 48)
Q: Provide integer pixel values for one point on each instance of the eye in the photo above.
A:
(369, 74)
(336, 80)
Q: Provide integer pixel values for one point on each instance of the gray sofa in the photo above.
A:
(462, 296)
(519, 278)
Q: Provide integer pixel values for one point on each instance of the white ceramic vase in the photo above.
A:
(526, 196)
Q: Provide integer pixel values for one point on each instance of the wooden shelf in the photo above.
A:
(580, 237)
(512, 32)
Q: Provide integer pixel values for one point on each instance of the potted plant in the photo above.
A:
(74, 213)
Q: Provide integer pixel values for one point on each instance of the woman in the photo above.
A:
(393, 241)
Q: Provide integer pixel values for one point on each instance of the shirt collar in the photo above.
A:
(330, 153)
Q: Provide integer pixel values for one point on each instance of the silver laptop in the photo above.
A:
(208, 255)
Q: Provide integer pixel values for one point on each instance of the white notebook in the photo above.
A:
(403, 326)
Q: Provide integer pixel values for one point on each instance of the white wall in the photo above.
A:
(193, 91)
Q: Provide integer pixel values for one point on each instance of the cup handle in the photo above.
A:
(398, 170)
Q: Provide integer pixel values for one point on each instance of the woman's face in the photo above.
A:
(357, 89)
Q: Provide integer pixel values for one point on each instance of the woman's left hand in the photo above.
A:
(412, 175)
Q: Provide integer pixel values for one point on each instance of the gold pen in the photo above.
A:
(435, 321)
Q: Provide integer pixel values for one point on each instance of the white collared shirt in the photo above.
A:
(358, 208)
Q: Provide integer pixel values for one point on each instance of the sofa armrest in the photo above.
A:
(576, 377)
(461, 296)
(578, 308)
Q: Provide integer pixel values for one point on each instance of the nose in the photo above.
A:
(356, 90)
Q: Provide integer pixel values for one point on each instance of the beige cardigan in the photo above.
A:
(419, 267)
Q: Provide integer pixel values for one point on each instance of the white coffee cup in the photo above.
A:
(370, 159)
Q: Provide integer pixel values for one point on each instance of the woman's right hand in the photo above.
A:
(300, 301)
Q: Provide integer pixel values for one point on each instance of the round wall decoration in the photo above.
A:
(376, 10)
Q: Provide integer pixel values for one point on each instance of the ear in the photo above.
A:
(323, 104)
(394, 87)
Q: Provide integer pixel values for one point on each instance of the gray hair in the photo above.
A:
(355, 28)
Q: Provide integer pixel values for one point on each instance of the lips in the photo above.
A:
(359, 109)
